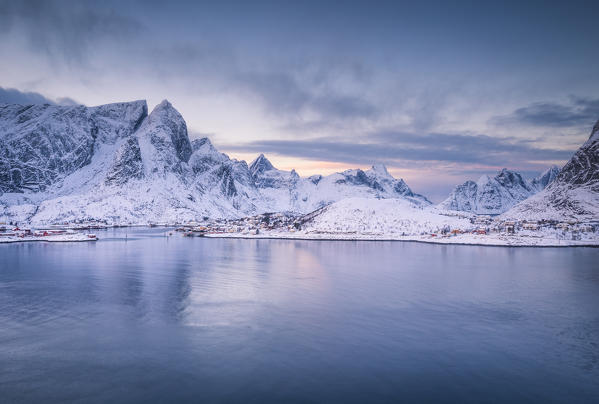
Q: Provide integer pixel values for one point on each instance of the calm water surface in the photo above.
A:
(157, 319)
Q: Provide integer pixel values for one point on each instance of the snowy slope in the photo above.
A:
(497, 194)
(117, 163)
(575, 192)
(387, 217)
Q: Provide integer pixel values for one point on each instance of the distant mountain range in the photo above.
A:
(120, 164)
(497, 194)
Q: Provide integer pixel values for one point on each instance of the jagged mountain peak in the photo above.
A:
(165, 110)
(260, 165)
(545, 178)
(203, 145)
(504, 172)
(495, 195)
(482, 180)
(594, 133)
(510, 179)
(381, 170)
(163, 105)
(205, 156)
(166, 123)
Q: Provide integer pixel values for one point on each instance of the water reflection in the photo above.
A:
(143, 317)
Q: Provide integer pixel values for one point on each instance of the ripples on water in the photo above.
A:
(154, 319)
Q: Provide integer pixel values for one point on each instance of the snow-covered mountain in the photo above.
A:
(117, 163)
(382, 218)
(42, 144)
(575, 192)
(286, 190)
(547, 177)
(495, 195)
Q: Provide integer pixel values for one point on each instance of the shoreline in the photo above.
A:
(481, 241)
(492, 243)
(79, 238)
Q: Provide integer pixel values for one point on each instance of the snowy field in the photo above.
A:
(398, 219)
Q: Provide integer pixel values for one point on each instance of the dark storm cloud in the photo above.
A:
(578, 112)
(284, 89)
(283, 93)
(65, 29)
(390, 147)
(14, 96)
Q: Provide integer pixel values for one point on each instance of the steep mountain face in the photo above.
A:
(260, 166)
(127, 164)
(498, 194)
(583, 167)
(218, 177)
(547, 177)
(117, 163)
(42, 144)
(575, 192)
(164, 142)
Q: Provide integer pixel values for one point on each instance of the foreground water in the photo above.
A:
(149, 318)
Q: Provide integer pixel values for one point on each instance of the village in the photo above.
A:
(14, 233)
(289, 225)
(487, 225)
(253, 225)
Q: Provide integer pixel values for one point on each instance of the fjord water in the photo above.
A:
(140, 317)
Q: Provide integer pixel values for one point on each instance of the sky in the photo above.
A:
(440, 92)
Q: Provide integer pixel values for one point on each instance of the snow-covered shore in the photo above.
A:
(398, 219)
(501, 240)
(71, 237)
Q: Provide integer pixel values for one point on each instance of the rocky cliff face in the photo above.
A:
(542, 181)
(583, 168)
(164, 142)
(42, 144)
(575, 192)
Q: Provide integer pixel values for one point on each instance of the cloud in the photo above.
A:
(399, 149)
(578, 112)
(283, 93)
(283, 88)
(14, 96)
(67, 101)
(65, 30)
(288, 93)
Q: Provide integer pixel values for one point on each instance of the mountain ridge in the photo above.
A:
(135, 167)
(496, 195)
